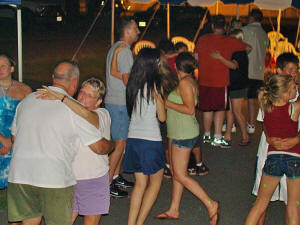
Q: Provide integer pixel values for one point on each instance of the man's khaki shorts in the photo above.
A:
(27, 202)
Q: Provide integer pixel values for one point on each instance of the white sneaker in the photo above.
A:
(233, 129)
(250, 129)
(224, 127)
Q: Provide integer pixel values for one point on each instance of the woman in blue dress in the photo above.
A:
(11, 93)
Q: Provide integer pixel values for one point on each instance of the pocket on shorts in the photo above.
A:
(271, 168)
(293, 168)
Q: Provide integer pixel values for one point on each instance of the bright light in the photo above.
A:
(128, 8)
(58, 18)
(142, 24)
(102, 3)
(116, 5)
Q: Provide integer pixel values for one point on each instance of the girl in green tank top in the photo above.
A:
(183, 129)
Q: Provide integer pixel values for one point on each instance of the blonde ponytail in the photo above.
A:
(273, 90)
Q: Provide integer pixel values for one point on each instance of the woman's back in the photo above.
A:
(144, 123)
(278, 123)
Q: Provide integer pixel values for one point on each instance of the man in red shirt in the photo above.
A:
(214, 78)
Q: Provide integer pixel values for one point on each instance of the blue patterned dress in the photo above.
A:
(7, 112)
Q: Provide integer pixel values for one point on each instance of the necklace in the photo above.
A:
(6, 89)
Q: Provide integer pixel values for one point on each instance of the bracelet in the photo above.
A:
(62, 100)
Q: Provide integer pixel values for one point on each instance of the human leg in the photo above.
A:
(150, 196)
(74, 216)
(293, 207)
(91, 220)
(229, 123)
(265, 192)
(33, 221)
(219, 117)
(141, 181)
(115, 157)
(252, 109)
(207, 121)
(240, 118)
(180, 159)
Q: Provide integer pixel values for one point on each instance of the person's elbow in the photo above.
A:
(248, 49)
(190, 111)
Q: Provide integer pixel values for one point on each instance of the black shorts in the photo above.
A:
(253, 88)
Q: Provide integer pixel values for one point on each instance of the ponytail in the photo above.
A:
(273, 90)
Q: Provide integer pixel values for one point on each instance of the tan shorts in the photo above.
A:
(27, 202)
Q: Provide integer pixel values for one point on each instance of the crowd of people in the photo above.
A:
(62, 157)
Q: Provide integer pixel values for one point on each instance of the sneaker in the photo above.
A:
(201, 170)
(250, 129)
(122, 183)
(206, 139)
(167, 173)
(115, 192)
(221, 143)
(233, 129)
(224, 127)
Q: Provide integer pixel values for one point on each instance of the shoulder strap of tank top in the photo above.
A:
(292, 109)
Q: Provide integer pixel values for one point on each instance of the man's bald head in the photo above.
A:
(66, 75)
(66, 70)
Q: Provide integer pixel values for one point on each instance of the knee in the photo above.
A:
(180, 177)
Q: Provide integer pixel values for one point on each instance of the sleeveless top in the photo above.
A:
(278, 123)
(144, 123)
(181, 126)
(8, 107)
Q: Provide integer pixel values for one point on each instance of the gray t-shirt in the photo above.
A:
(116, 93)
(257, 38)
(144, 123)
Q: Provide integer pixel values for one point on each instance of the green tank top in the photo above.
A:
(181, 126)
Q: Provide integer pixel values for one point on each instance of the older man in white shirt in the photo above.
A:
(45, 136)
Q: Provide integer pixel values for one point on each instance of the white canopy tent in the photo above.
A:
(16, 4)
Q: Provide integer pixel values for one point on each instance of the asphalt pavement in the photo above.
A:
(229, 181)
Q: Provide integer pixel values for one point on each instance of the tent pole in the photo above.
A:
(237, 11)
(278, 30)
(168, 20)
(150, 21)
(20, 54)
(297, 36)
(217, 7)
(200, 26)
(112, 21)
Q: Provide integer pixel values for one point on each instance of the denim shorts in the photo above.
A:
(186, 143)
(278, 164)
(119, 121)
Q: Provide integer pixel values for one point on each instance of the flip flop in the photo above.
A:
(165, 216)
(244, 143)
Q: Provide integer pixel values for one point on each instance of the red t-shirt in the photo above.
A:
(212, 72)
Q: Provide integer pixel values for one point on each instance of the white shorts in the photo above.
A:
(280, 192)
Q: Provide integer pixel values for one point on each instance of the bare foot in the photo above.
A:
(213, 214)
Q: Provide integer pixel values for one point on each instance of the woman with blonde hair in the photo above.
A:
(280, 121)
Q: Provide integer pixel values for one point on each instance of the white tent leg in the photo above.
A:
(112, 21)
(20, 54)
(168, 20)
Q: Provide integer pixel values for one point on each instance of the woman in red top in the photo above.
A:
(280, 121)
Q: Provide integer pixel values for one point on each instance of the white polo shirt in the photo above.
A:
(46, 133)
(87, 164)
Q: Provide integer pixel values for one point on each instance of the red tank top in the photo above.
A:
(278, 123)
